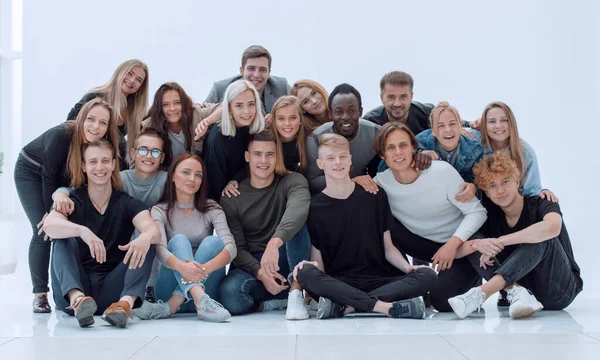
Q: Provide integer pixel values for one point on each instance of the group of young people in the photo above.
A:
(298, 192)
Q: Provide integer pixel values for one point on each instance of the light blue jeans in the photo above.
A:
(169, 281)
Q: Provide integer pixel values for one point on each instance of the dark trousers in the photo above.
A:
(28, 180)
(362, 295)
(69, 274)
(455, 281)
(240, 292)
(542, 268)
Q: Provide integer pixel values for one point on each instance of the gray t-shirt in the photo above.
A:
(148, 191)
(177, 143)
(361, 149)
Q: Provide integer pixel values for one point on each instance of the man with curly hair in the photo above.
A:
(527, 251)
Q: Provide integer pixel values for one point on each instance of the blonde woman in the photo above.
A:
(288, 125)
(313, 101)
(228, 140)
(127, 93)
(51, 161)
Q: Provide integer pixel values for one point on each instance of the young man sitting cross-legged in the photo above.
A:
(352, 246)
(95, 268)
(528, 251)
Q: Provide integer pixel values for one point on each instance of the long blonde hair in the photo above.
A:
(75, 128)
(227, 122)
(515, 147)
(135, 105)
(282, 102)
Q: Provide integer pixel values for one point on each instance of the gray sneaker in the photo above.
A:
(328, 309)
(211, 310)
(152, 311)
(409, 309)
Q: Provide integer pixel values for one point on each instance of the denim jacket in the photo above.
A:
(532, 183)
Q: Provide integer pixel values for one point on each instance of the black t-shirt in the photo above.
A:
(291, 157)
(114, 227)
(534, 210)
(349, 233)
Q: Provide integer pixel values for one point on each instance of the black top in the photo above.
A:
(114, 227)
(534, 210)
(224, 158)
(349, 233)
(291, 157)
(51, 150)
(418, 116)
(122, 131)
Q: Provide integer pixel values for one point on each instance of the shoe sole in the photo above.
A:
(213, 320)
(297, 317)
(117, 319)
(525, 312)
(453, 305)
(324, 309)
(85, 312)
(42, 311)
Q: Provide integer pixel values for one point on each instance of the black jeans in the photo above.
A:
(455, 281)
(28, 180)
(542, 268)
(69, 274)
(362, 295)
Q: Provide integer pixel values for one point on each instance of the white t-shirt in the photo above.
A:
(427, 206)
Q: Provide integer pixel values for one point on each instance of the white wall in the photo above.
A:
(540, 57)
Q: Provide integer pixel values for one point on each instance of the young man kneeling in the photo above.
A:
(92, 247)
(527, 252)
(352, 246)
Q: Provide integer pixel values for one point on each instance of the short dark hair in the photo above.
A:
(265, 135)
(150, 133)
(345, 89)
(386, 130)
(255, 51)
(396, 78)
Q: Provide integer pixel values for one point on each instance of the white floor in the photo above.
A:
(490, 334)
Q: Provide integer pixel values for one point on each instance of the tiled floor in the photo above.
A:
(489, 334)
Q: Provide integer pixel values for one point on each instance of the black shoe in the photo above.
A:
(150, 297)
(409, 309)
(329, 309)
(502, 300)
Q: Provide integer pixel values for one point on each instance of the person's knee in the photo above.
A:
(230, 293)
(427, 277)
(308, 272)
(212, 242)
(179, 241)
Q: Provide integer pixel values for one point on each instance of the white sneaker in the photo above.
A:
(296, 310)
(522, 303)
(468, 302)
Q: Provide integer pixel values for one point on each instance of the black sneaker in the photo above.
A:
(329, 309)
(150, 297)
(502, 300)
(409, 309)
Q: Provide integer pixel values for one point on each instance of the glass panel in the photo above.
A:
(17, 25)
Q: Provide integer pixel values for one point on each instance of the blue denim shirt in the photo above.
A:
(470, 152)
(532, 183)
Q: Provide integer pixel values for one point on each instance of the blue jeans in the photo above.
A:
(169, 281)
(242, 293)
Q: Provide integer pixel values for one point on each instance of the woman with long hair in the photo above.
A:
(288, 127)
(174, 116)
(127, 93)
(313, 102)
(51, 161)
(189, 252)
(228, 140)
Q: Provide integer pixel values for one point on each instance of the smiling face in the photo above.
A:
(502, 190)
(243, 109)
(187, 178)
(345, 113)
(398, 151)
(311, 101)
(497, 125)
(396, 99)
(287, 122)
(147, 164)
(335, 162)
(256, 70)
(95, 124)
(446, 130)
(133, 80)
(171, 106)
(261, 157)
(98, 164)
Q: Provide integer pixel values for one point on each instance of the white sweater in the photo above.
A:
(427, 206)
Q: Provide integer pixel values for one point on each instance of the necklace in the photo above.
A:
(99, 208)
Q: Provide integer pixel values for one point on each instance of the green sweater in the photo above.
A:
(257, 215)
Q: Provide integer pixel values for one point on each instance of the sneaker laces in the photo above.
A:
(209, 305)
(401, 309)
(473, 297)
(156, 310)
